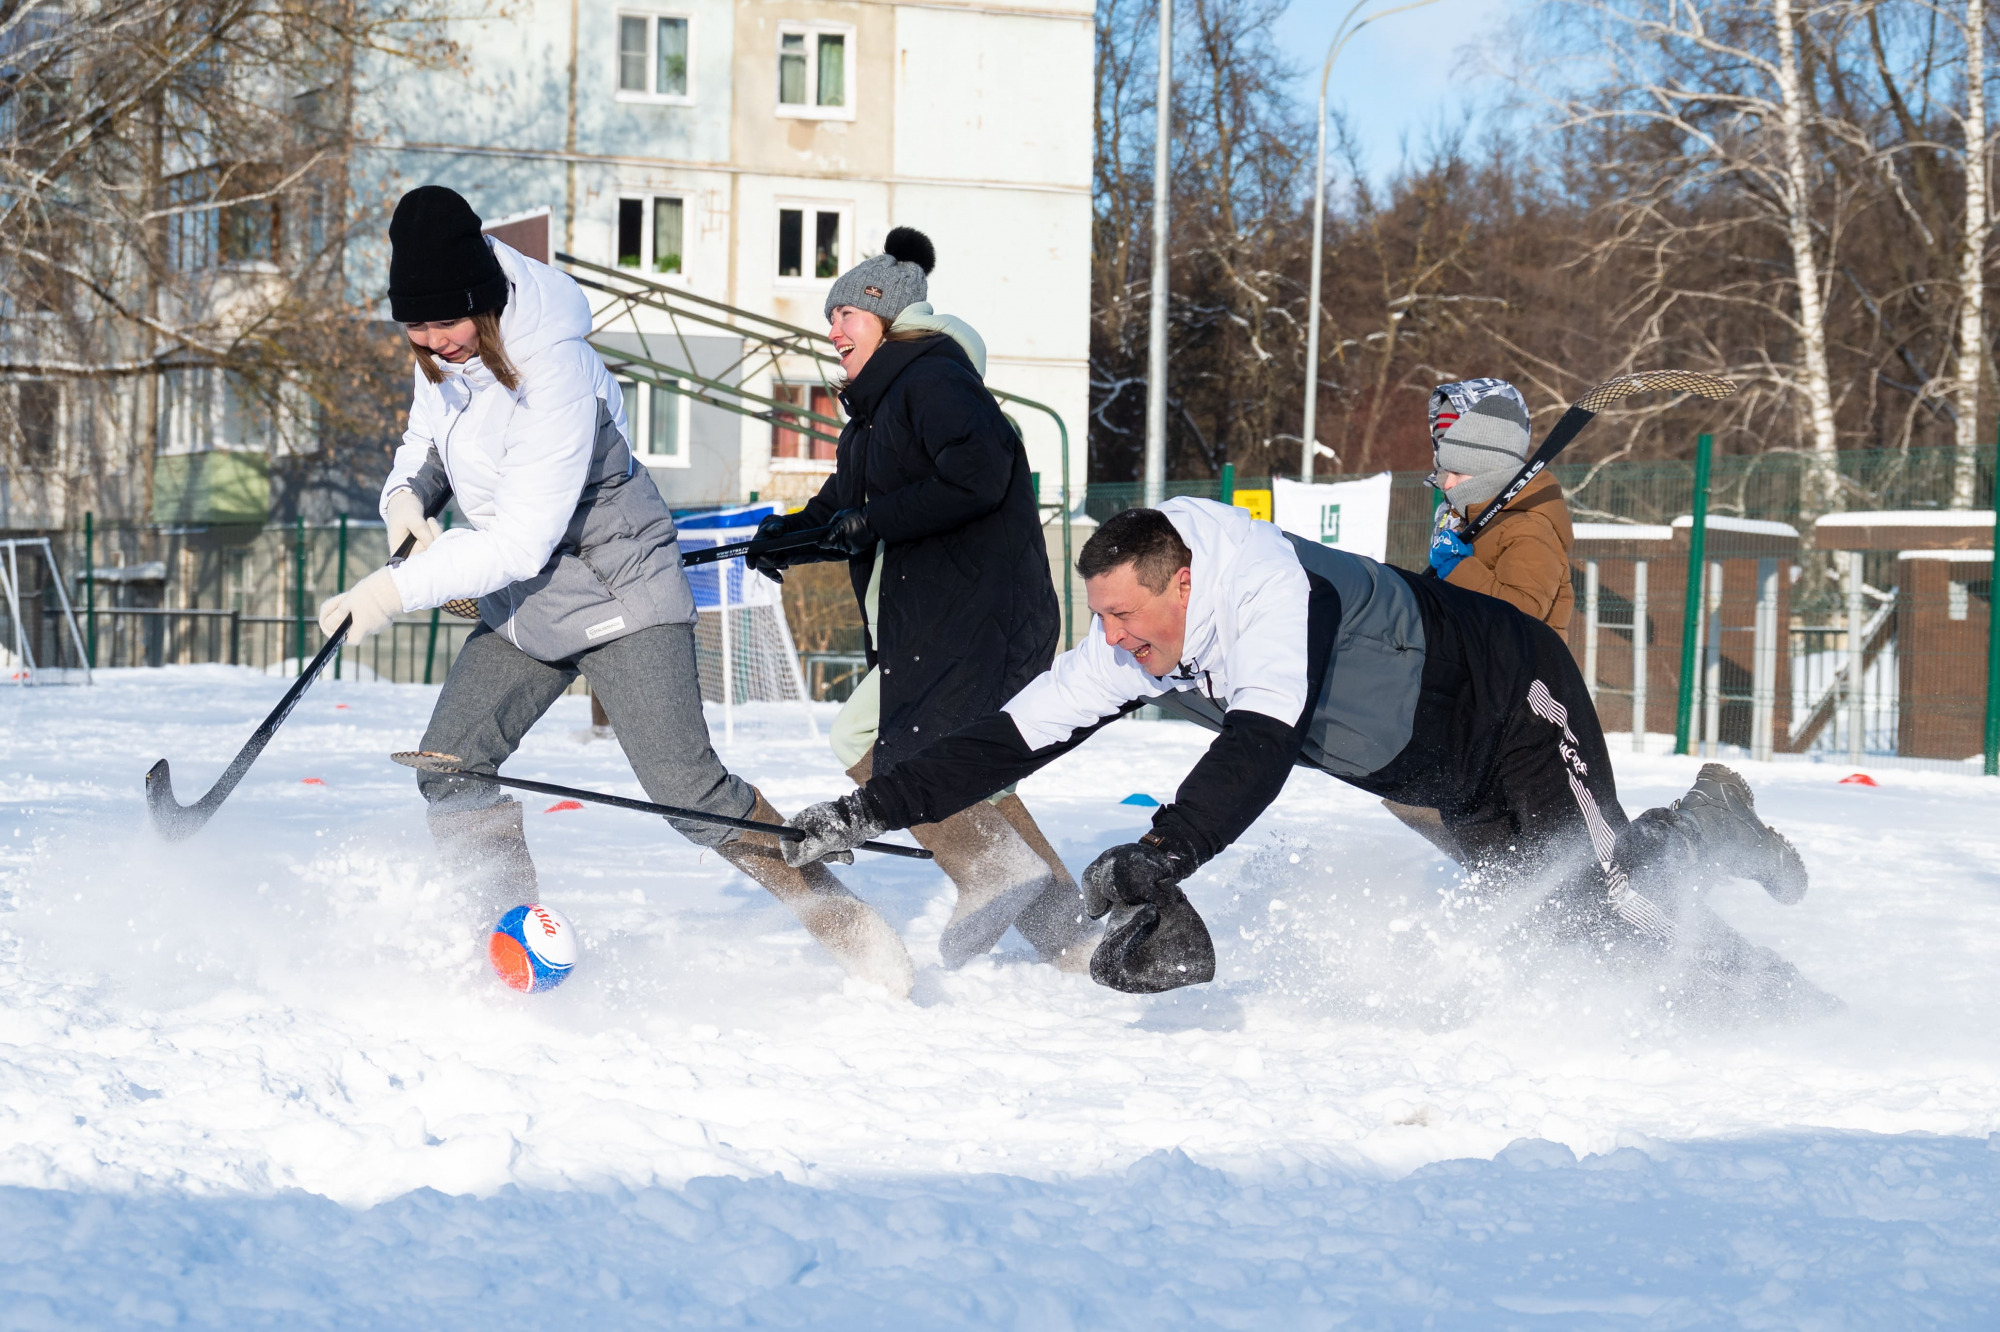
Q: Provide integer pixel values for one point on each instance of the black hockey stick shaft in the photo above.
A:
(669, 811)
(1558, 439)
(790, 541)
(175, 821)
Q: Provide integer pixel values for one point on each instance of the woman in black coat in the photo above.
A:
(932, 505)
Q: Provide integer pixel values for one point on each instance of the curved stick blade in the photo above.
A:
(426, 760)
(1655, 381)
(171, 819)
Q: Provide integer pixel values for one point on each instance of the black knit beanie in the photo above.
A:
(439, 264)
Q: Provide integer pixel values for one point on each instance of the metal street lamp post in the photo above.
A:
(1156, 351)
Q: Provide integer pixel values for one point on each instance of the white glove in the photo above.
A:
(831, 829)
(406, 518)
(373, 602)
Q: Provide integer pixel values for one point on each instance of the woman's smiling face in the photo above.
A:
(855, 334)
(453, 340)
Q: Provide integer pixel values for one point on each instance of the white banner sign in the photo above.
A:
(1353, 515)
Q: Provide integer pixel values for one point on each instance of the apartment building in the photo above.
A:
(747, 151)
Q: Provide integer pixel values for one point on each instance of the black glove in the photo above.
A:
(1155, 939)
(1131, 875)
(831, 829)
(771, 563)
(849, 534)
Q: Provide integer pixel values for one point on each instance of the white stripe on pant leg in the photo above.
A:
(1634, 908)
(1543, 704)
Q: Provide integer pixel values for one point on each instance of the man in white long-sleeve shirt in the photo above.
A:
(1302, 655)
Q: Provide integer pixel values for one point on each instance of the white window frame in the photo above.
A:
(651, 16)
(809, 231)
(649, 249)
(810, 109)
(642, 429)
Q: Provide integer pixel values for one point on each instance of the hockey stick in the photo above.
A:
(175, 821)
(789, 541)
(1582, 412)
(447, 765)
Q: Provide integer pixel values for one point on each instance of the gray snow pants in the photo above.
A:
(647, 683)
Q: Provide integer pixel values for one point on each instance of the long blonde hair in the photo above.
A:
(492, 354)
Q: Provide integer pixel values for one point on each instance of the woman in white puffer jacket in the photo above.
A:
(572, 556)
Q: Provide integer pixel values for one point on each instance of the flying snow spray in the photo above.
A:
(533, 948)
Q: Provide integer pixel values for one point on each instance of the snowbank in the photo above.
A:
(263, 1078)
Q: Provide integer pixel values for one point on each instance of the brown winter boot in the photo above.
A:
(1055, 922)
(866, 945)
(996, 872)
(488, 849)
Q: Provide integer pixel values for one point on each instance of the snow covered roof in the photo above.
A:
(1909, 518)
(1955, 556)
(1754, 526)
(1622, 532)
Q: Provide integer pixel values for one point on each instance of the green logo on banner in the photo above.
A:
(1329, 524)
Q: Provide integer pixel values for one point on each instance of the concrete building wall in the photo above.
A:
(972, 124)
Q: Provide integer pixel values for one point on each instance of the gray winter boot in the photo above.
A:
(488, 849)
(1055, 922)
(1733, 840)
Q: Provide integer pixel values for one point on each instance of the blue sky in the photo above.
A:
(1401, 77)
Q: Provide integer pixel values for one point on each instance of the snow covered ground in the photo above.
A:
(264, 1078)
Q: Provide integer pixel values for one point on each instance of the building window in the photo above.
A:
(204, 410)
(36, 405)
(789, 442)
(657, 416)
(666, 235)
(649, 234)
(826, 253)
(653, 57)
(202, 232)
(815, 71)
(250, 232)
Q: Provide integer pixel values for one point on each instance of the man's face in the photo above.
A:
(1150, 625)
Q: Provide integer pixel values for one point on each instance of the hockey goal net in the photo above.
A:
(743, 644)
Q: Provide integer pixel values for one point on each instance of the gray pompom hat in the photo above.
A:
(1479, 428)
(885, 283)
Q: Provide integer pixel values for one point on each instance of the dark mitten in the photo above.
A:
(1130, 875)
(849, 534)
(772, 563)
(1158, 945)
(831, 829)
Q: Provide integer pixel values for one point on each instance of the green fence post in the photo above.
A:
(1229, 483)
(90, 587)
(1993, 638)
(340, 585)
(1691, 617)
(299, 592)
(430, 653)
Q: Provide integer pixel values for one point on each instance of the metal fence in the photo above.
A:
(1856, 645)
(1774, 631)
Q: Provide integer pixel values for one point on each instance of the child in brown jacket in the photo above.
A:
(1479, 432)
(1480, 440)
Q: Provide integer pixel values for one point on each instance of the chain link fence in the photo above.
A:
(1860, 636)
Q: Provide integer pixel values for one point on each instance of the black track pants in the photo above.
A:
(1547, 803)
